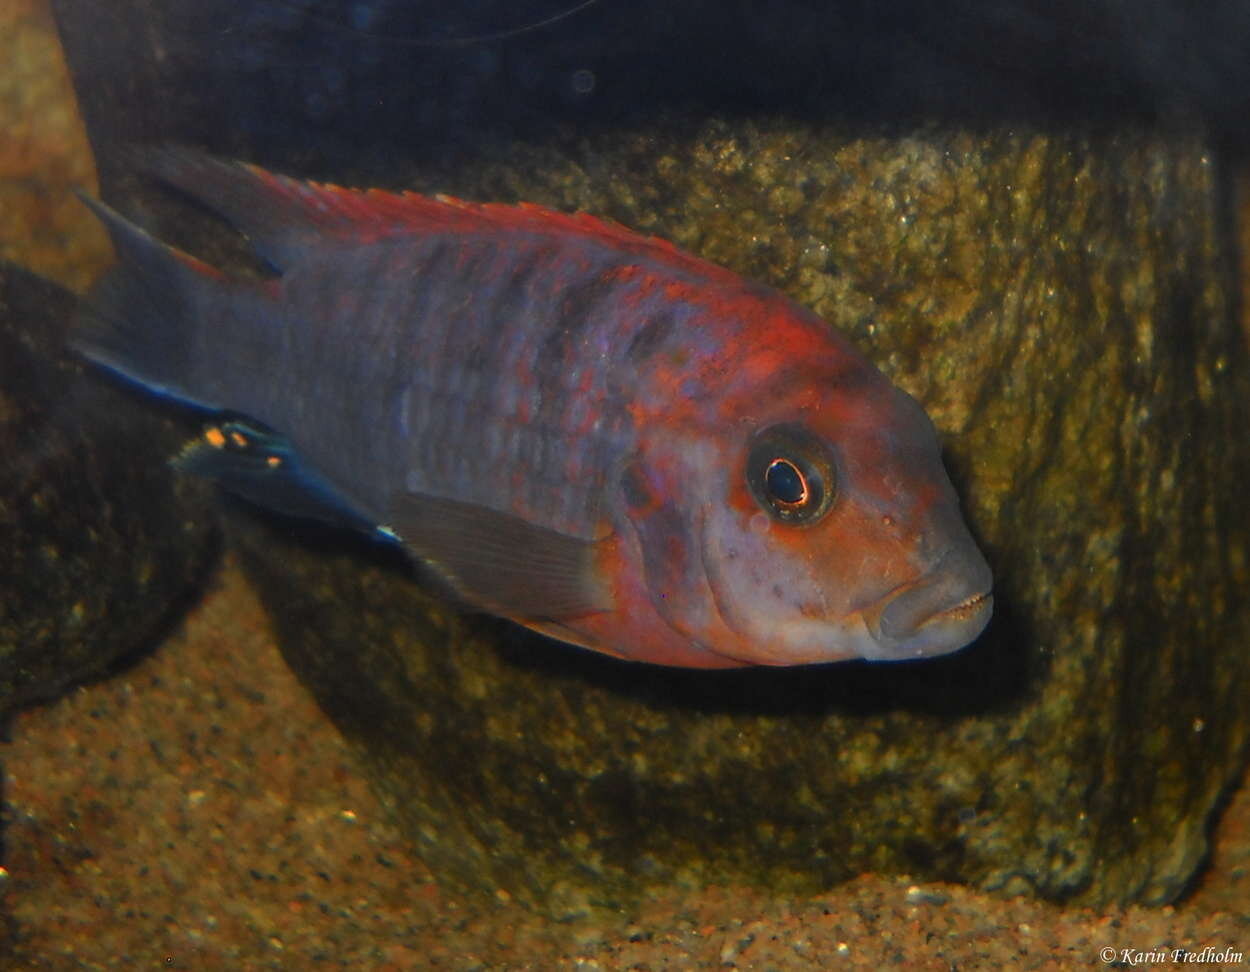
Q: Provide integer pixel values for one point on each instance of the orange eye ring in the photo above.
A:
(786, 483)
(791, 474)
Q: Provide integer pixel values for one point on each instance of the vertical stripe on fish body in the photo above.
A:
(578, 427)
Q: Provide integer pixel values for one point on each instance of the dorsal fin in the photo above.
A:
(282, 215)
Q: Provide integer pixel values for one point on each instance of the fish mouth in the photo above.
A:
(942, 611)
(943, 608)
(969, 606)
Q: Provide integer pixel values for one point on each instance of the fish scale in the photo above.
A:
(448, 415)
(452, 411)
(586, 430)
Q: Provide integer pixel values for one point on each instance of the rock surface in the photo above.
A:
(1061, 308)
(99, 543)
(240, 835)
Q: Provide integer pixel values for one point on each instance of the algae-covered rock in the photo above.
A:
(1061, 307)
(98, 540)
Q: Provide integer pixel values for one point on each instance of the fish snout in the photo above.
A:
(942, 611)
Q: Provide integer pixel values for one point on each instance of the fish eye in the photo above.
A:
(785, 483)
(790, 472)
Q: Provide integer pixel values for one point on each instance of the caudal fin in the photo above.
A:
(146, 318)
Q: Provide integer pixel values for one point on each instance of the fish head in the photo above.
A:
(817, 525)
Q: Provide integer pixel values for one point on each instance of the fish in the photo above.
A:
(583, 429)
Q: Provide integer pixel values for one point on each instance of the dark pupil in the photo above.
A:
(784, 482)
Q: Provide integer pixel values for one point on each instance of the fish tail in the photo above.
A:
(145, 320)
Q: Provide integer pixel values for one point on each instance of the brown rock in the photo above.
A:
(1062, 309)
(99, 543)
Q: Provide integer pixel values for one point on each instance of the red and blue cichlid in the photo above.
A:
(577, 427)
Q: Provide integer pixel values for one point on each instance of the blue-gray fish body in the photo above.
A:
(580, 428)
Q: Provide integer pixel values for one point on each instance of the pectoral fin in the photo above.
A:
(502, 562)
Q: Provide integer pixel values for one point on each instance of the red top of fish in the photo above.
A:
(589, 431)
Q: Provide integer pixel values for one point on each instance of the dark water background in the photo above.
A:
(435, 78)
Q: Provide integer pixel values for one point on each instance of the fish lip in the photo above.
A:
(860, 637)
(940, 633)
(941, 611)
